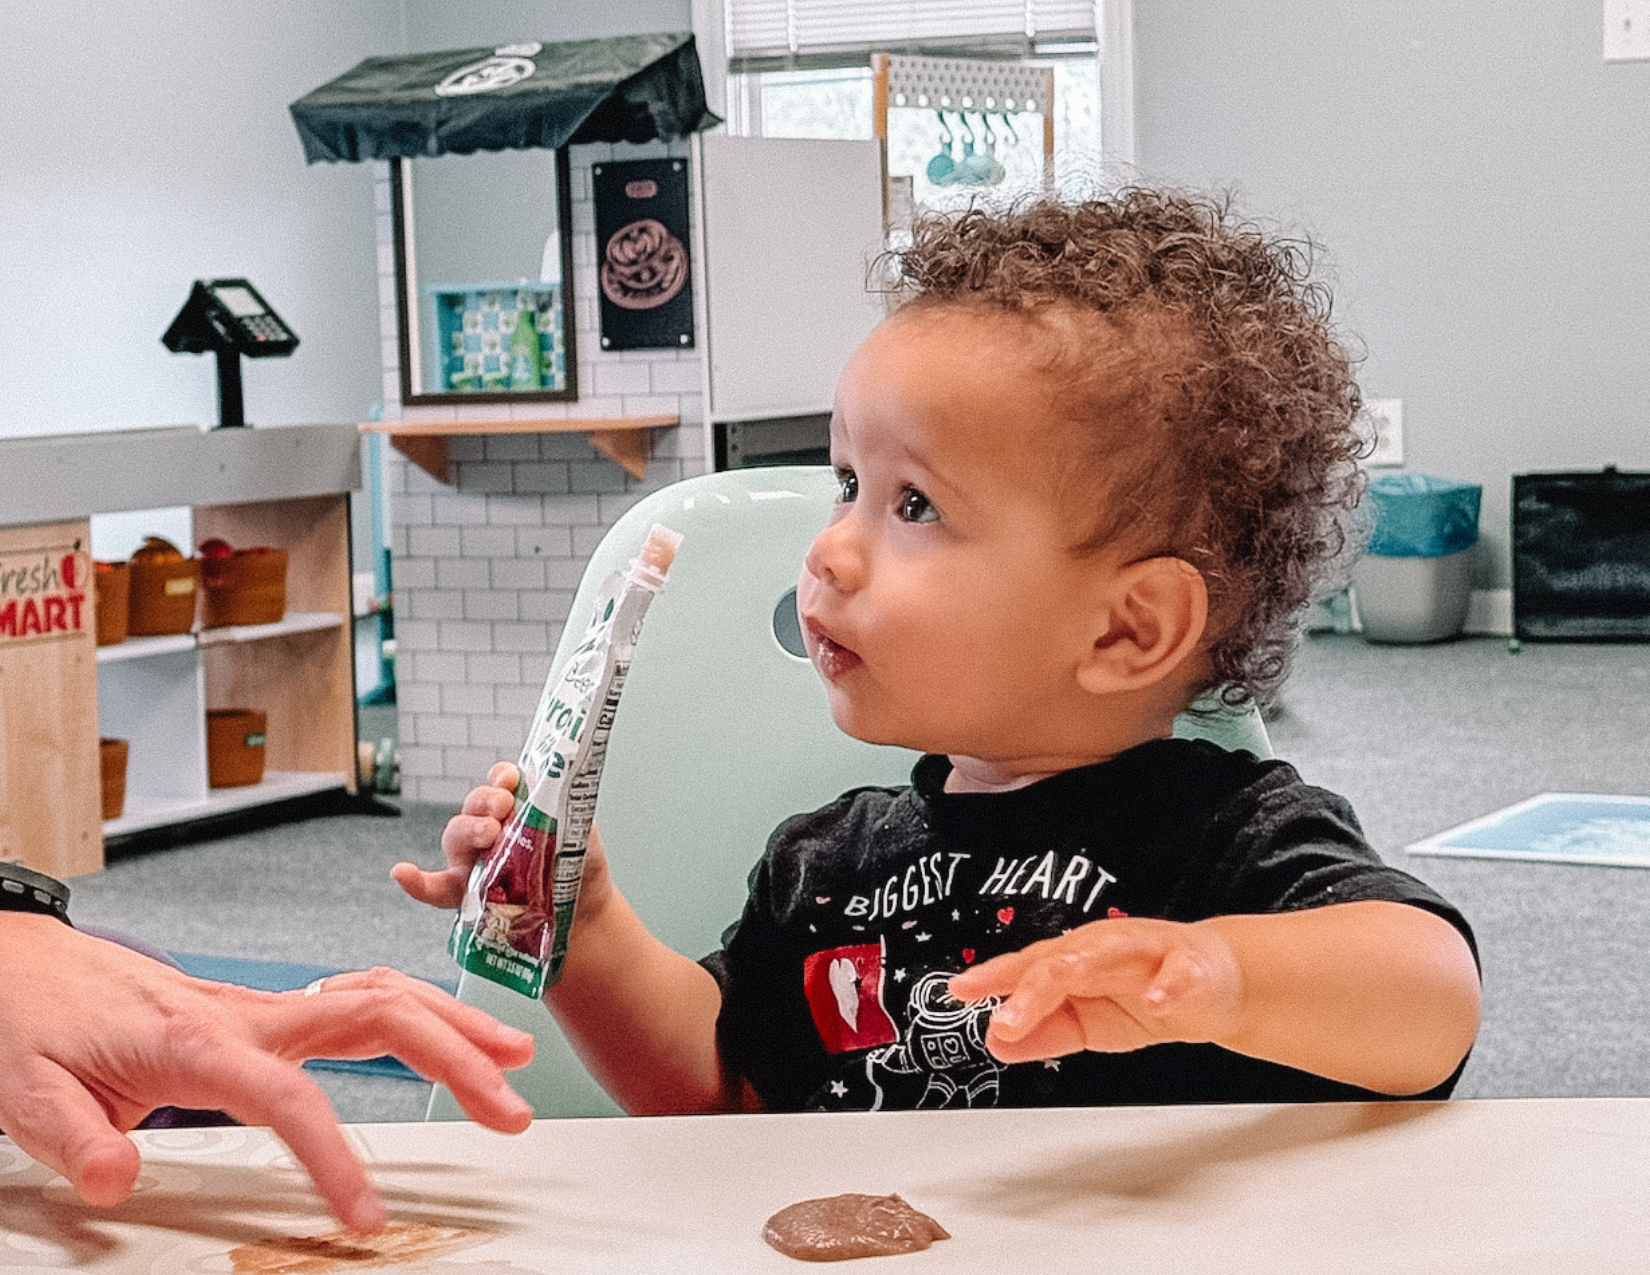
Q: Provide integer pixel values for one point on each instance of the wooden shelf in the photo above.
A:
(137, 648)
(276, 786)
(625, 440)
(291, 622)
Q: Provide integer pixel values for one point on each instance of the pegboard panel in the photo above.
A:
(968, 84)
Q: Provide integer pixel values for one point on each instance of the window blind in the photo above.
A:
(761, 30)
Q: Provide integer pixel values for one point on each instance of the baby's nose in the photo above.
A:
(832, 556)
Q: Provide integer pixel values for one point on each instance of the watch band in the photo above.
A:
(25, 890)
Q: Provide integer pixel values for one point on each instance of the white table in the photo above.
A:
(1549, 1186)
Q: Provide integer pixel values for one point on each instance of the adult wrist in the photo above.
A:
(25, 890)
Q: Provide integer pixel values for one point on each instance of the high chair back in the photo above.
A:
(723, 732)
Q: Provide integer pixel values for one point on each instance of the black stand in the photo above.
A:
(231, 407)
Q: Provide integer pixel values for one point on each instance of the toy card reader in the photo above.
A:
(229, 318)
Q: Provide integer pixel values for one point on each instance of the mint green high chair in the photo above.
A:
(722, 733)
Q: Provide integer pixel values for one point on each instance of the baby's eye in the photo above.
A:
(915, 507)
(847, 486)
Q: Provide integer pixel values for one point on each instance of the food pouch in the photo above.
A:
(513, 925)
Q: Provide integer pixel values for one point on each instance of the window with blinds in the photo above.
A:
(763, 34)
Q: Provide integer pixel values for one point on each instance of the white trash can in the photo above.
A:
(1413, 599)
(1415, 584)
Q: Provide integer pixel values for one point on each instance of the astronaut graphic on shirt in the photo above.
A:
(943, 1050)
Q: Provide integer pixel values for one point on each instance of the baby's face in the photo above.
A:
(939, 604)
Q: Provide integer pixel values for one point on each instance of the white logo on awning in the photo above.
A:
(509, 65)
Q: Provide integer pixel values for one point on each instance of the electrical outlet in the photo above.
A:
(1626, 30)
(1382, 423)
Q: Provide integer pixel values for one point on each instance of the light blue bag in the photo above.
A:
(1420, 516)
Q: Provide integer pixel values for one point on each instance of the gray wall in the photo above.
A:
(442, 24)
(1481, 180)
(149, 145)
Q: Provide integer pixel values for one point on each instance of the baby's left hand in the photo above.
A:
(1112, 985)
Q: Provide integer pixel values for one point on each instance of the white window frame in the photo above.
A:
(1114, 32)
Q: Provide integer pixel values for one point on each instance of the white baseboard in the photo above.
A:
(1489, 612)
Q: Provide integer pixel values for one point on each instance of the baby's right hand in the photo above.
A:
(467, 836)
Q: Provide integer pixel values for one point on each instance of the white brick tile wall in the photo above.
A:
(485, 475)
(464, 701)
(495, 671)
(411, 573)
(595, 475)
(547, 606)
(459, 573)
(518, 703)
(547, 476)
(457, 509)
(489, 542)
(622, 378)
(422, 697)
(522, 574)
(465, 635)
(512, 446)
(675, 377)
(533, 638)
(517, 510)
(488, 604)
(485, 566)
(433, 605)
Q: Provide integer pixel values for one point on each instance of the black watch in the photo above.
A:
(25, 890)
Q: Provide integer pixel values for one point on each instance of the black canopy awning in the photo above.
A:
(625, 89)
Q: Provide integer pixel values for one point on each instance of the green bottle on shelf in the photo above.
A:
(526, 361)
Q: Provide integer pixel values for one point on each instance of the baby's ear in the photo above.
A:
(1151, 622)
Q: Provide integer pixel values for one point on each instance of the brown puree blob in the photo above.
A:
(398, 1244)
(842, 1226)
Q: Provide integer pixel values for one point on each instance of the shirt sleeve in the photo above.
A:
(1295, 846)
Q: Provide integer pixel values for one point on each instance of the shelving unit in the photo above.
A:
(624, 440)
(287, 488)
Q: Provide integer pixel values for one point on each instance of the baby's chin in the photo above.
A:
(868, 729)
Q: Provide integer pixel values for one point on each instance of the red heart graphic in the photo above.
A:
(1113, 913)
(968, 956)
(1005, 915)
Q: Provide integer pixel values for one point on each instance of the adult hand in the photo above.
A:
(471, 833)
(1111, 985)
(94, 1036)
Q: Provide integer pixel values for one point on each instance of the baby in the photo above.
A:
(1093, 468)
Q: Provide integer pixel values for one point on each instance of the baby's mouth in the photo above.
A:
(830, 657)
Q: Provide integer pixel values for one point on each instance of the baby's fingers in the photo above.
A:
(997, 977)
(438, 889)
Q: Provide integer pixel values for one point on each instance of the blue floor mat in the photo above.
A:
(286, 976)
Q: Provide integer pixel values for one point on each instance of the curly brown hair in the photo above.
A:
(1219, 402)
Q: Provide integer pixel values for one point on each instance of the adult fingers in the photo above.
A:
(65, 1128)
(508, 1046)
(257, 1088)
(382, 1014)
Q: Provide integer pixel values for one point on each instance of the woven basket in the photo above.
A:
(112, 757)
(163, 593)
(234, 747)
(114, 601)
(246, 587)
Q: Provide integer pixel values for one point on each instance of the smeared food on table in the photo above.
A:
(838, 1227)
(398, 1244)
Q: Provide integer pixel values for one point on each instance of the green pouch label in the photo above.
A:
(502, 965)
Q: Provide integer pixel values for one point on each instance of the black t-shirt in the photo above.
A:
(834, 980)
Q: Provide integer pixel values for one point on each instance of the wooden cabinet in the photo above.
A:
(154, 692)
(286, 488)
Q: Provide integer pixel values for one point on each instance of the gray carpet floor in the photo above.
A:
(1419, 738)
